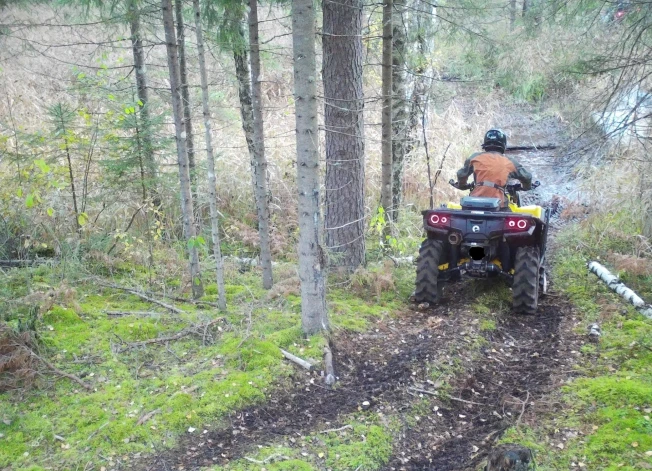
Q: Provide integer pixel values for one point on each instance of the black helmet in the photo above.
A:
(495, 139)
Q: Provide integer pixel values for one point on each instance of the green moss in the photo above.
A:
(607, 407)
(61, 315)
(487, 325)
(367, 448)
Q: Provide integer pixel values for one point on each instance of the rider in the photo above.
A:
(491, 169)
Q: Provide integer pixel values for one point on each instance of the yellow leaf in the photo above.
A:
(635, 444)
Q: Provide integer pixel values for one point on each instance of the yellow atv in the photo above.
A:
(478, 239)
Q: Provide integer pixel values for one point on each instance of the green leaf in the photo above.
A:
(82, 219)
(40, 163)
(81, 76)
(111, 97)
(140, 103)
(50, 212)
(29, 201)
(19, 192)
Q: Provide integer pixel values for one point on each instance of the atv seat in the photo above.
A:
(481, 204)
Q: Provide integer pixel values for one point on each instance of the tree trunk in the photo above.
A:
(259, 162)
(399, 104)
(187, 209)
(147, 150)
(241, 60)
(386, 126)
(512, 14)
(185, 96)
(212, 196)
(343, 119)
(311, 255)
(525, 7)
(421, 21)
(72, 180)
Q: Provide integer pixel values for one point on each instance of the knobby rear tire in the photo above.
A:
(525, 288)
(427, 289)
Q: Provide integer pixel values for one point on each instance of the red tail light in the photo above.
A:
(516, 224)
(439, 220)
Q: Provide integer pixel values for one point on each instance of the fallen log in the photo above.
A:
(295, 359)
(614, 284)
(535, 148)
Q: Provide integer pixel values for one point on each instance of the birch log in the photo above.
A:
(299, 361)
(619, 287)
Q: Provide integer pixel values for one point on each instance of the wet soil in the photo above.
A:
(502, 376)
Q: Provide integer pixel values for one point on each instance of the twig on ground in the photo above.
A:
(144, 296)
(424, 391)
(177, 336)
(147, 416)
(132, 313)
(459, 399)
(72, 377)
(336, 429)
(97, 431)
(299, 361)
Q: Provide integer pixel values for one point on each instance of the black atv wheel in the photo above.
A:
(427, 286)
(525, 289)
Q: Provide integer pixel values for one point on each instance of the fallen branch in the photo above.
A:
(459, 399)
(330, 430)
(328, 364)
(132, 313)
(98, 430)
(72, 377)
(147, 416)
(177, 336)
(299, 361)
(619, 287)
(145, 297)
(424, 391)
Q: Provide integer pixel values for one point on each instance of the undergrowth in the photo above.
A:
(606, 421)
(145, 397)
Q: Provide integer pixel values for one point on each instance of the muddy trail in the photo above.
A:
(501, 376)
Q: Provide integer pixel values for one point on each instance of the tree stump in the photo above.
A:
(510, 457)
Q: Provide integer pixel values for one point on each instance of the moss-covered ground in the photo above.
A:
(144, 398)
(603, 415)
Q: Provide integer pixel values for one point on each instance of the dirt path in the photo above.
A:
(502, 374)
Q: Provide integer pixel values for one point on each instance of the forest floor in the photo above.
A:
(430, 389)
(447, 381)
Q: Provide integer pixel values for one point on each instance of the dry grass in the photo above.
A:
(378, 280)
(64, 295)
(631, 264)
(18, 367)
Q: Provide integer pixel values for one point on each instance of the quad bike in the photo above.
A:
(477, 239)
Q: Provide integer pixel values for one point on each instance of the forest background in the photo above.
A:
(153, 150)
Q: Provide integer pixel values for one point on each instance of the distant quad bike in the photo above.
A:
(476, 238)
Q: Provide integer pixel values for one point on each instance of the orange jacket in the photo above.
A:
(493, 167)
